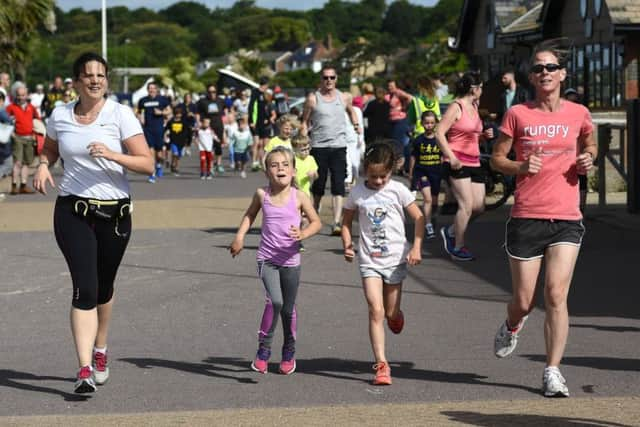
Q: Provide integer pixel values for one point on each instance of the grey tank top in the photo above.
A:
(328, 124)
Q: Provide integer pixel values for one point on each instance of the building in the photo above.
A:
(603, 37)
(312, 55)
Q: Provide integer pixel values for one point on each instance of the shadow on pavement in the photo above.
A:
(607, 328)
(206, 368)
(608, 255)
(11, 379)
(509, 420)
(353, 370)
(605, 363)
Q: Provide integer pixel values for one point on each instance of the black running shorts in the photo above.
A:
(527, 238)
(476, 173)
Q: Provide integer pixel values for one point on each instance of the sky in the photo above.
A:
(212, 4)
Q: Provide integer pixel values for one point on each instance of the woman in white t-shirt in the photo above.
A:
(98, 140)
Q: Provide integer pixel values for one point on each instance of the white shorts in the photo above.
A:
(389, 275)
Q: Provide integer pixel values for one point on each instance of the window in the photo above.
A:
(588, 28)
(597, 6)
(583, 8)
(491, 31)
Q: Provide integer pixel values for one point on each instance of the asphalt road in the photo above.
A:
(186, 318)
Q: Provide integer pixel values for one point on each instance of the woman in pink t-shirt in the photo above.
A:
(458, 136)
(553, 141)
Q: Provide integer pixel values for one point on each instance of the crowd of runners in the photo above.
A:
(405, 148)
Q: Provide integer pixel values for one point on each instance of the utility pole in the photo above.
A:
(104, 29)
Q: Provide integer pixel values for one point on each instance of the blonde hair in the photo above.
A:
(299, 140)
(282, 150)
(289, 119)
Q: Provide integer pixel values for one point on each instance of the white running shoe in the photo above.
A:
(100, 368)
(84, 381)
(505, 341)
(243, 174)
(553, 383)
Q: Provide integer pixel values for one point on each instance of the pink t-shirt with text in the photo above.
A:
(553, 192)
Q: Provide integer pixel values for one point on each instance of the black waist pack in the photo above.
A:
(105, 210)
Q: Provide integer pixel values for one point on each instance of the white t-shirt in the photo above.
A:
(205, 139)
(381, 219)
(85, 176)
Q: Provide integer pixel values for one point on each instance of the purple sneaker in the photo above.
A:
(261, 362)
(288, 363)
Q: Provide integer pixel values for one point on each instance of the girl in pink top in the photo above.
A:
(553, 141)
(458, 136)
(278, 255)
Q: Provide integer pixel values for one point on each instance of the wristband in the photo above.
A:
(44, 162)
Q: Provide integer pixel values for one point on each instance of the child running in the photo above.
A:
(306, 170)
(384, 251)
(179, 132)
(278, 255)
(425, 170)
(240, 141)
(285, 129)
(306, 166)
(206, 137)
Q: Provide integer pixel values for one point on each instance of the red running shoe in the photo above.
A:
(396, 324)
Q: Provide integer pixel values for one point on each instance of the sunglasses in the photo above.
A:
(329, 77)
(537, 69)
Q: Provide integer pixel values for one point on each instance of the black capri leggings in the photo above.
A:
(93, 249)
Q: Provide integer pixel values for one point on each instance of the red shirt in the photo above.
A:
(24, 118)
(552, 193)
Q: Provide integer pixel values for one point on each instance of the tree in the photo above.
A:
(403, 20)
(180, 74)
(18, 24)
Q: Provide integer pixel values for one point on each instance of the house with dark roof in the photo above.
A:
(313, 54)
(603, 38)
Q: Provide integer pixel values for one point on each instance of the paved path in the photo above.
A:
(186, 315)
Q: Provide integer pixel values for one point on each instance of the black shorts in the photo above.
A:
(264, 131)
(527, 238)
(423, 178)
(333, 161)
(476, 173)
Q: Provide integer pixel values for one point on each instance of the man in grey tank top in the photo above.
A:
(323, 120)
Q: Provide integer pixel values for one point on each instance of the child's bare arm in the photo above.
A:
(249, 216)
(347, 242)
(312, 216)
(415, 254)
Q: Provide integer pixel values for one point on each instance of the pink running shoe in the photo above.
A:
(261, 362)
(288, 363)
(84, 382)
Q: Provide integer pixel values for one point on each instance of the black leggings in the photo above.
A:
(93, 249)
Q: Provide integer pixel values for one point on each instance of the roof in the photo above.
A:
(523, 18)
(624, 12)
(238, 77)
(531, 20)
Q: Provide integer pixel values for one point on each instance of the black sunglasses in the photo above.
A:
(549, 67)
(329, 77)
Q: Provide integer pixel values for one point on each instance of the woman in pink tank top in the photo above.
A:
(553, 141)
(458, 135)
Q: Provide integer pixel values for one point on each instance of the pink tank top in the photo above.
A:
(276, 245)
(464, 138)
